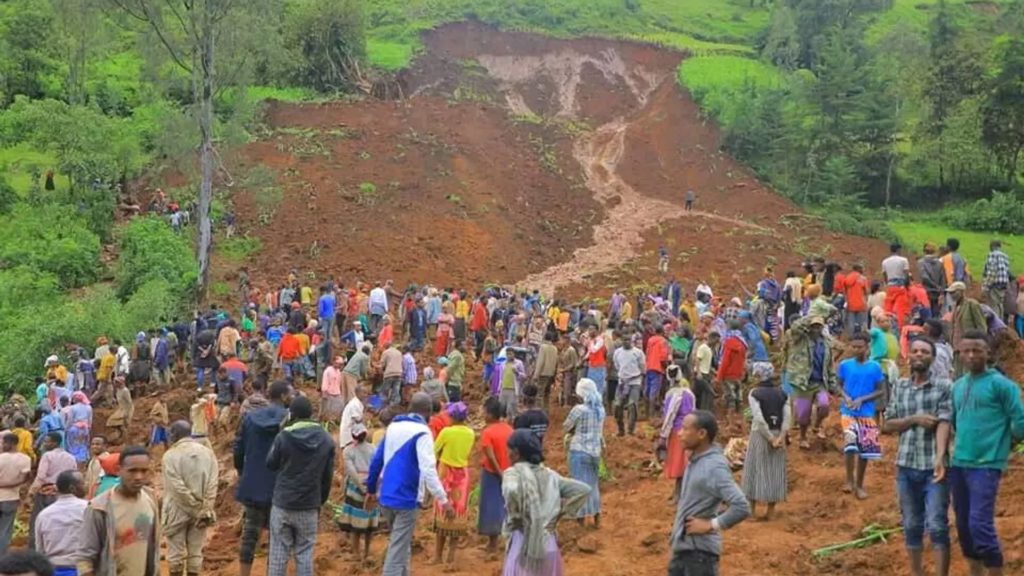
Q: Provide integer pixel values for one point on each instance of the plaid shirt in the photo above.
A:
(587, 427)
(917, 445)
(997, 269)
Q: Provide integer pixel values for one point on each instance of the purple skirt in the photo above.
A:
(552, 565)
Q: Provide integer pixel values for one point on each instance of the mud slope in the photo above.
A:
(518, 159)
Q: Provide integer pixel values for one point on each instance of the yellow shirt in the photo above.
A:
(462, 309)
(626, 312)
(106, 367)
(454, 445)
(306, 295)
(24, 442)
(553, 313)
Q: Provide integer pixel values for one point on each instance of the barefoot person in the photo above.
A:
(919, 411)
(679, 402)
(535, 498)
(493, 463)
(861, 381)
(764, 469)
(696, 533)
(453, 447)
(988, 417)
(354, 518)
(810, 371)
(585, 423)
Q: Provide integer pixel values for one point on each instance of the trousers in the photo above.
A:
(185, 548)
(292, 532)
(399, 554)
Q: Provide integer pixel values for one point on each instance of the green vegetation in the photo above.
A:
(237, 249)
(914, 231)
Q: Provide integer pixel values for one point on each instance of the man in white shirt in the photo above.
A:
(58, 526)
(896, 270)
(352, 415)
(702, 365)
(378, 306)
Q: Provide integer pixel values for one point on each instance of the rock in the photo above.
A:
(587, 544)
(652, 539)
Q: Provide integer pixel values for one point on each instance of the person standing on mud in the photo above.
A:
(255, 489)
(696, 532)
(303, 457)
(919, 411)
(988, 418)
(190, 474)
(378, 306)
(690, 198)
(862, 382)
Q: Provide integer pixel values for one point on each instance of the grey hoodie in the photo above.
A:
(708, 483)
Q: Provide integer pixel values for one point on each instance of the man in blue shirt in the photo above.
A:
(861, 382)
(325, 311)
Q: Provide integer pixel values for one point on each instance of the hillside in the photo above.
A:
(518, 159)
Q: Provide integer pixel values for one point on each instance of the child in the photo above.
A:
(453, 447)
(862, 383)
(353, 517)
(158, 421)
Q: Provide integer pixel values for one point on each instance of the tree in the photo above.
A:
(1003, 109)
(782, 45)
(328, 36)
(190, 32)
(26, 54)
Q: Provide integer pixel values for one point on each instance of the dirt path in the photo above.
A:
(629, 213)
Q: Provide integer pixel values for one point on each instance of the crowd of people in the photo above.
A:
(408, 395)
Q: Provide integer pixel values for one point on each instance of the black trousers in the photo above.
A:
(693, 563)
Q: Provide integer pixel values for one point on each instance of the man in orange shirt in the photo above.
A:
(289, 352)
(478, 325)
(658, 355)
(855, 290)
(733, 366)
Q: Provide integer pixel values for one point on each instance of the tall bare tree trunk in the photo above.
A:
(205, 246)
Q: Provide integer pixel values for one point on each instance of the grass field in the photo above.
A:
(714, 80)
(18, 164)
(973, 245)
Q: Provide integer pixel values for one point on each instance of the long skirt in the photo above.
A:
(77, 441)
(352, 517)
(460, 329)
(764, 471)
(441, 343)
(677, 458)
(585, 468)
(331, 407)
(492, 505)
(456, 485)
(514, 565)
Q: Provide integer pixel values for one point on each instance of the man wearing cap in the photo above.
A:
(810, 370)
(996, 278)
(967, 316)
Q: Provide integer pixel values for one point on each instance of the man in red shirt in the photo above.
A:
(478, 325)
(658, 356)
(733, 366)
(289, 352)
(855, 289)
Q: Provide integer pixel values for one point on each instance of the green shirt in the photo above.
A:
(456, 368)
(988, 409)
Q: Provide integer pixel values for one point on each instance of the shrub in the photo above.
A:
(847, 216)
(1004, 212)
(150, 250)
(51, 239)
(328, 36)
(7, 196)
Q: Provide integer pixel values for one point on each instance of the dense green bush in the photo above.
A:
(150, 250)
(329, 41)
(7, 196)
(51, 239)
(1003, 212)
(847, 215)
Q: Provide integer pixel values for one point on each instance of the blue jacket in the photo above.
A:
(255, 437)
(756, 350)
(404, 457)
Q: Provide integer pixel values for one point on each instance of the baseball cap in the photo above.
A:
(956, 287)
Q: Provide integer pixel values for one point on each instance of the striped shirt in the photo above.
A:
(916, 444)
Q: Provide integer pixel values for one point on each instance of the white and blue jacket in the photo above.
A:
(404, 464)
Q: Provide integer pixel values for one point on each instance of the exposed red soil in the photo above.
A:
(523, 207)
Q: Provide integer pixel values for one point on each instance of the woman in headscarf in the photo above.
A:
(141, 367)
(585, 425)
(453, 446)
(444, 330)
(764, 470)
(535, 498)
(354, 518)
(79, 427)
(679, 401)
